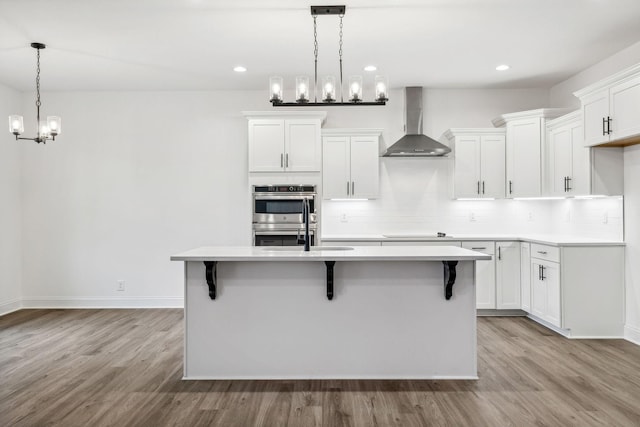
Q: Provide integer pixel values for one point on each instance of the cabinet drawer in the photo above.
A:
(550, 253)
(484, 247)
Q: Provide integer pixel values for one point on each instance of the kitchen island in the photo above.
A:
(361, 312)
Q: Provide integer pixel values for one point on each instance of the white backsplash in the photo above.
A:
(415, 198)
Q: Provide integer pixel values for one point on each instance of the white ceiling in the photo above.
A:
(194, 44)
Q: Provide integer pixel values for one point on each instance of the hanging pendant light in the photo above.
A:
(330, 89)
(47, 129)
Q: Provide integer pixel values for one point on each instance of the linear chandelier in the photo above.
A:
(48, 129)
(329, 88)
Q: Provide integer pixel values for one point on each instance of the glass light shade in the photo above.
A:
(55, 125)
(329, 89)
(302, 89)
(382, 88)
(43, 129)
(355, 88)
(16, 125)
(275, 89)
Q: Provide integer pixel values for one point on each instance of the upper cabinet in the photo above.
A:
(611, 109)
(285, 142)
(350, 163)
(576, 170)
(525, 133)
(478, 162)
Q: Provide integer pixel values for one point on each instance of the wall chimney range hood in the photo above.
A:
(415, 143)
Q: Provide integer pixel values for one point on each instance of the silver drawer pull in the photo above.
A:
(542, 252)
(476, 249)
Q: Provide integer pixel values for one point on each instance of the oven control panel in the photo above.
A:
(284, 189)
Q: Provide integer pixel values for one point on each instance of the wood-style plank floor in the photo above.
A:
(124, 367)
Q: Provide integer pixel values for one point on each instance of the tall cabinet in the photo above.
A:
(525, 133)
(350, 163)
(478, 162)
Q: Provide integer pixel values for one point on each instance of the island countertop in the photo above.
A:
(330, 253)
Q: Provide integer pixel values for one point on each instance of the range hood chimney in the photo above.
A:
(414, 143)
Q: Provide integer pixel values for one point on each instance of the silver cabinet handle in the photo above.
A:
(542, 252)
(569, 183)
(542, 272)
(482, 187)
(499, 253)
(478, 190)
(604, 132)
(281, 160)
(477, 249)
(347, 188)
(609, 125)
(286, 162)
(353, 188)
(510, 187)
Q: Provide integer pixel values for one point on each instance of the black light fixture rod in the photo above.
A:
(326, 104)
(328, 10)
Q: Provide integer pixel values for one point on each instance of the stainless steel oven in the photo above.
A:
(277, 214)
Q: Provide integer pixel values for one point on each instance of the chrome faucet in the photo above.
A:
(305, 221)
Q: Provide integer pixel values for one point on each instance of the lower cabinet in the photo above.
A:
(545, 291)
(525, 276)
(485, 274)
(508, 276)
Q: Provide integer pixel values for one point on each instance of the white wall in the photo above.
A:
(563, 92)
(134, 178)
(10, 206)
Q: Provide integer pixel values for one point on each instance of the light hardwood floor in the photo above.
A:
(124, 368)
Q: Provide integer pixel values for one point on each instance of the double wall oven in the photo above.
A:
(277, 214)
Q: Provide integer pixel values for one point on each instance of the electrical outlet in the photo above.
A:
(343, 218)
(605, 218)
(472, 216)
(530, 216)
(120, 287)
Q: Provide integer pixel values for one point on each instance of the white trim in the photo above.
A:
(451, 133)
(103, 302)
(285, 114)
(331, 377)
(10, 306)
(632, 334)
(564, 332)
(541, 113)
(574, 116)
(350, 131)
(607, 82)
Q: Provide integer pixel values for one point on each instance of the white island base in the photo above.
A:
(273, 320)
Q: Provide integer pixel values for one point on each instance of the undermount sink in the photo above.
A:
(312, 249)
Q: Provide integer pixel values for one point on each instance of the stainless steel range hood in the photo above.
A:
(414, 143)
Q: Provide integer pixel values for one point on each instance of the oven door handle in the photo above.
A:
(281, 197)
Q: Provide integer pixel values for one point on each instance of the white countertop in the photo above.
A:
(545, 239)
(320, 253)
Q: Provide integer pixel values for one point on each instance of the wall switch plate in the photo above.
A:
(472, 216)
(120, 287)
(530, 216)
(605, 218)
(343, 218)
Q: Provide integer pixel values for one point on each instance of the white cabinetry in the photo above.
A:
(350, 163)
(478, 162)
(525, 276)
(525, 133)
(508, 276)
(420, 243)
(610, 109)
(284, 142)
(578, 170)
(485, 275)
(579, 289)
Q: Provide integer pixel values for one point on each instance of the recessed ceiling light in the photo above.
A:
(239, 69)
(370, 68)
(503, 67)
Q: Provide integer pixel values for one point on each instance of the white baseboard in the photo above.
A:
(103, 302)
(554, 328)
(632, 333)
(10, 306)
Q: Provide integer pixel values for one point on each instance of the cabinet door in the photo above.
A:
(538, 290)
(525, 276)
(336, 181)
(266, 146)
(523, 158)
(302, 146)
(508, 275)
(561, 155)
(364, 167)
(624, 104)
(467, 166)
(485, 275)
(551, 279)
(492, 166)
(595, 108)
(580, 182)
